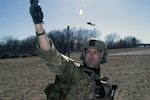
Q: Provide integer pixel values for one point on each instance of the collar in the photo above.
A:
(94, 73)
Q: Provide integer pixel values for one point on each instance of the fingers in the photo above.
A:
(34, 2)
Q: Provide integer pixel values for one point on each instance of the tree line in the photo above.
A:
(65, 40)
(113, 40)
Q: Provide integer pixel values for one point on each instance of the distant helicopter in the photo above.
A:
(90, 23)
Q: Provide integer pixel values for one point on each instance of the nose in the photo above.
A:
(91, 55)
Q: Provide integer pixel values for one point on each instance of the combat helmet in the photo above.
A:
(97, 44)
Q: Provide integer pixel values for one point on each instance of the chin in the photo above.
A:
(92, 66)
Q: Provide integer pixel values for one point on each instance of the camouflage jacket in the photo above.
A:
(73, 81)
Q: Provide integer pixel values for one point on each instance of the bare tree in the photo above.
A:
(111, 39)
(9, 44)
(131, 41)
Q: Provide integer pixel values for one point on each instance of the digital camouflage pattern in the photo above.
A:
(71, 83)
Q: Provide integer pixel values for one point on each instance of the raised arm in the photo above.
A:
(37, 16)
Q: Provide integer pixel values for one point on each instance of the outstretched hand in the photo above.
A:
(36, 12)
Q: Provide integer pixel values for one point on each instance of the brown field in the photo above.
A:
(26, 78)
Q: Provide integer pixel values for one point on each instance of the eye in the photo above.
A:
(87, 52)
(96, 52)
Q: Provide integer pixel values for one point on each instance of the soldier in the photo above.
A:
(73, 81)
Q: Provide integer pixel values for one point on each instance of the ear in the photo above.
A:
(82, 56)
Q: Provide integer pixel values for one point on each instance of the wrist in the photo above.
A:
(39, 34)
(39, 29)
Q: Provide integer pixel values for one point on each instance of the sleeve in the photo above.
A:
(57, 62)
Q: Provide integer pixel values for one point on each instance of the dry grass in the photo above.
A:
(131, 74)
(26, 78)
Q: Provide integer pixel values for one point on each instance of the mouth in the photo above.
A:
(91, 60)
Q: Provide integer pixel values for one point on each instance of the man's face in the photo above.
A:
(92, 57)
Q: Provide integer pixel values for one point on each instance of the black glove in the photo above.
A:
(36, 12)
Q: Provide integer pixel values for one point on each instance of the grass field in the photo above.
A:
(26, 78)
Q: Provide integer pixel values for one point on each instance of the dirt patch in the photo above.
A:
(26, 78)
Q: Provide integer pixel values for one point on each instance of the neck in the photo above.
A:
(96, 70)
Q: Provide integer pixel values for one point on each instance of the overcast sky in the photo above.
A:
(124, 17)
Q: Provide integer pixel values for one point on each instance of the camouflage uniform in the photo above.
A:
(73, 81)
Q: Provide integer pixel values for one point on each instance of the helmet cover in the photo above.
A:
(94, 43)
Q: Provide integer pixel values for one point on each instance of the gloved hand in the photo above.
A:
(36, 12)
